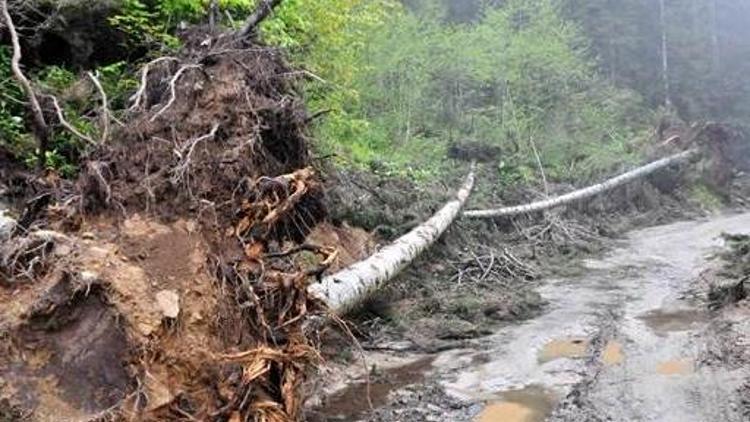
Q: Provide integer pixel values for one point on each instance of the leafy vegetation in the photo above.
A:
(402, 84)
(396, 82)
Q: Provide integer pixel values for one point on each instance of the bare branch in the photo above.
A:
(173, 88)
(40, 124)
(67, 125)
(105, 108)
(137, 98)
(541, 167)
(264, 9)
(185, 154)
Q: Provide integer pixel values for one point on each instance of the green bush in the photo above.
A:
(413, 83)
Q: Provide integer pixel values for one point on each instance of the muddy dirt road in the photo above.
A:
(623, 342)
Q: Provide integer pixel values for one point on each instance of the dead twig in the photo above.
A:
(139, 95)
(173, 88)
(67, 125)
(40, 124)
(105, 113)
(541, 167)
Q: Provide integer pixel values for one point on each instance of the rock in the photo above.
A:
(169, 303)
(6, 226)
(158, 393)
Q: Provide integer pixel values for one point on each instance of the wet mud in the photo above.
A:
(358, 398)
(624, 340)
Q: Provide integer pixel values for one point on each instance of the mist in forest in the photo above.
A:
(707, 47)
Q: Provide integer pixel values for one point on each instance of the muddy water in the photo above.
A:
(623, 339)
(354, 401)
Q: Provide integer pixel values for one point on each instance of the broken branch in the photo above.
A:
(105, 108)
(40, 124)
(67, 125)
(261, 12)
(173, 89)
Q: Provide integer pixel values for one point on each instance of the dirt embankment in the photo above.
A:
(169, 281)
(725, 291)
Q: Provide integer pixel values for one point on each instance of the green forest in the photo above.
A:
(396, 83)
(374, 210)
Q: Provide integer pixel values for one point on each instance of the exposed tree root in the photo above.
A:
(208, 291)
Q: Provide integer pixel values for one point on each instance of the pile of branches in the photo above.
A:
(490, 266)
(555, 231)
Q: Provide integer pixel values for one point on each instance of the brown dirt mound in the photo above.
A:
(179, 289)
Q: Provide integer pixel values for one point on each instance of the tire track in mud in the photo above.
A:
(624, 341)
(620, 343)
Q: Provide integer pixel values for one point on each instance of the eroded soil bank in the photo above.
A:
(629, 338)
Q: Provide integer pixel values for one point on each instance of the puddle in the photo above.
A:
(530, 404)
(574, 347)
(352, 403)
(612, 354)
(675, 367)
(662, 321)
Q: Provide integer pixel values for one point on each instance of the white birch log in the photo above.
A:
(583, 193)
(347, 288)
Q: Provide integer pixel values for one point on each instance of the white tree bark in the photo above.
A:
(583, 193)
(665, 55)
(347, 288)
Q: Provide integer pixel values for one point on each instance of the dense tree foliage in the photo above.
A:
(394, 82)
(513, 75)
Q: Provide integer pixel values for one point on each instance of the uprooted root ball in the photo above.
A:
(204, 128)
(188, 256)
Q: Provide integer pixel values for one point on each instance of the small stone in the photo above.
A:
(87, 235)
(89, 277)
(169, 303)
(7, 225)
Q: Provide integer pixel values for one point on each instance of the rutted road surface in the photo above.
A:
(622, 343)
(625, 341)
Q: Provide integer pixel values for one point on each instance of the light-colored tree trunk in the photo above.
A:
(664, 55)
(583, 193)
(213, 14)
(349, 287)
(715, 42)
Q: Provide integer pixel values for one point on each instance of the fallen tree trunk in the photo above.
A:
(583, 193)
(347, 288)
